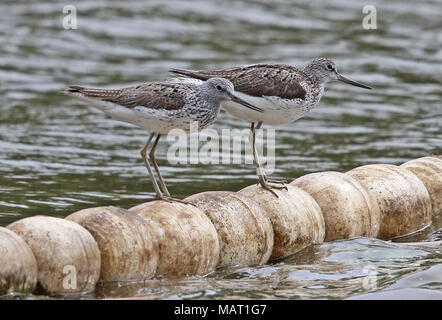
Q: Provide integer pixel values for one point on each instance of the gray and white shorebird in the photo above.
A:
(285, 93)
(160, 107)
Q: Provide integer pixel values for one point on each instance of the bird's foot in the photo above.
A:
(277, 181)
(281, 184)
(269, 185)
(273, 183)
(171, 200)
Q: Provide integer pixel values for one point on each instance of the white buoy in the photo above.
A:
(429, 171)
(402, 198)
(296, 218)
(18, 267)
(188, 242)
(245, 233)
(127, 242)
(67, 255)
(348, 208)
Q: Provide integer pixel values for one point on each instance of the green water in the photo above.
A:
(59, 156)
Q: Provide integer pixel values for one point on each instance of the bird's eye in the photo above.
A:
(329, 67)
(219, 88)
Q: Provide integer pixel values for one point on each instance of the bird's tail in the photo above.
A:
(188, 73)
(83, 92)
(76, 89)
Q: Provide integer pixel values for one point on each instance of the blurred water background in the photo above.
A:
(59, 156)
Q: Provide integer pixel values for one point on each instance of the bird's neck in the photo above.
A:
(313, 75)
(211, 100)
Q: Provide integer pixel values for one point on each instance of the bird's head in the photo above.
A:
(324, 70)
(220, 90)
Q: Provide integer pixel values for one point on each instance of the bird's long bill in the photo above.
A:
(244, 103)
(352, 82)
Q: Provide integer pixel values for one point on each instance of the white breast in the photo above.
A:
(277, 111)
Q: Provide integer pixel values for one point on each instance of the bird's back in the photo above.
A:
(153, 95)
(257, 80)
(285, 93)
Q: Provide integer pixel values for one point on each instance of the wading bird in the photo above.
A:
(160, 107)
(285, 94)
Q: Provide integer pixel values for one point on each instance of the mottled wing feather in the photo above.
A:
(168, 96)
(257, 80)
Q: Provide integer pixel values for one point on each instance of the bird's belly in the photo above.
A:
(277, 111)
(160, 121)
(171, 121)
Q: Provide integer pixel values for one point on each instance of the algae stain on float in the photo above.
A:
(20, 276)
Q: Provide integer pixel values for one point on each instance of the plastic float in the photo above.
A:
(128, 244)
(187, 240)
(68, 258)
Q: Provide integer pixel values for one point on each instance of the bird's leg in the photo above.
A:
(165, 195)
(259, 170)
(149, 169)
(262, 178)
(155, 165)
(283, 182)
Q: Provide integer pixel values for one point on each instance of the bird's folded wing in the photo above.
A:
(167, 96)
(257, 80)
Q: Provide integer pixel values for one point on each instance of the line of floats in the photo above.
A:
(49, 255)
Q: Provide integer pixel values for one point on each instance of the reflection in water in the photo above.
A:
(59, 156)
